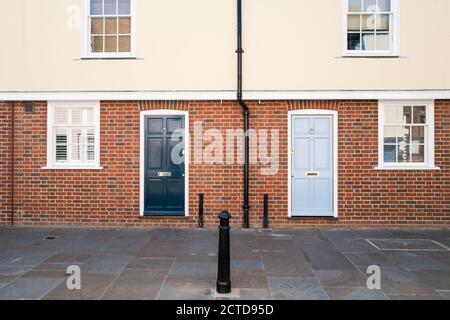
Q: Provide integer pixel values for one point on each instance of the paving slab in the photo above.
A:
(405, 297)
(249, 280)
(365, 259)
(28, 288)
(296, 288)
(285, 264)
(186, 289)
(330, 260)
(150, 264)
(352, 293)
(341, 278)
(195, 270)
(108, 263)
(438, 279)
(415, 260)
(4, 280)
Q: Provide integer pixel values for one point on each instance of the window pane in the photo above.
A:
(353, 41)
(110, 7)
(389, 153)
(368, 22)
(354, 22)
(111, 44)
(96, 7)
(403, 153)
(406, 117)
(125, 25)
(369, 5)
(383, 41)
(384, 5)
(390, 134)
(124, 6)
(354, 5)
(97, 26)
(61, 116)
(404, 135)
(76, 116)
(61, 144)
(88, 116)
(419, 115)
(97, 44)
(124, 44)
(111, 26)
(418, 134)
(391, 115)
(418, 153)
(368, 41)
(383, 22)
(76, 142)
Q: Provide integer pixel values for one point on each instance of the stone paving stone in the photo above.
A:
(161, 249)
(150, 264)
(329, 260)
(197, 257)
(186, 289)
(285, 264)
(275, 245)
(92, 287)
(345, 241)
(14, 269)
(407, 244)
(246, 265)
(365, 259)
(438, 279)
(200, 245)
(249, 280)
(296, 288)
(68, 258)
(108, 263)
(316, 243)
(415, 260)
(136, 285)
(4, 280)
(352, 293)
(26, 256)
(445, 294)
(244, 254)
(246, 294)
(45, 274)
(196, 270)
(343, 278)
(60, 267)
(415, 297)
(395, 280)
(28, 288)
(171, 234)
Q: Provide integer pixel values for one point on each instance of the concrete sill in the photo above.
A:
(164, 217)
(73, 168)
(313, 217)
(407, 168)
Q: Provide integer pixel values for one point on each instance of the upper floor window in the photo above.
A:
(406, 134)
(371, 27)
(110, 28)
(73, 135)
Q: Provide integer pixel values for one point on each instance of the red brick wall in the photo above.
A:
(5, 162)
(110, 197)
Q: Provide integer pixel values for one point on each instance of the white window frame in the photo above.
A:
(429, 136)
(88, 54)
(394, 35)
(51, 160)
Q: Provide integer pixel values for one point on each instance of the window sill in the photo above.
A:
(369, 56)
(108, 58)
(73, 168)
(407, 168)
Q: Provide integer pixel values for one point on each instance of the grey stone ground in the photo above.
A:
(182, 264)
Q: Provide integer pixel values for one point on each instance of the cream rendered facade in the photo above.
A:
(189, 46)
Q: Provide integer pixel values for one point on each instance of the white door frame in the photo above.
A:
(313, 112)
(186, 154)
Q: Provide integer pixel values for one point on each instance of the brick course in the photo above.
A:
(110, 197)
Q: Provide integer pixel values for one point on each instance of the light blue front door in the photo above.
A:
(312, 166)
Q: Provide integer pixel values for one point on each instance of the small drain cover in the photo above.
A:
(407, 245)
(50, 238)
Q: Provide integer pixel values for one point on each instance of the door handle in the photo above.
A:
(164, 174)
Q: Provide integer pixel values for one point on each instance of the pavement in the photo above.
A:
(173, 264)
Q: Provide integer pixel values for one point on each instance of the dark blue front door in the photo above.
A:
(164, 172)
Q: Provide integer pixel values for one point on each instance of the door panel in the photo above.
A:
(164, 180)
(312, 166)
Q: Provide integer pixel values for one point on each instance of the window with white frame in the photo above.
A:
(110, 28)
(73, 135)
(371, 27)
(406, 132)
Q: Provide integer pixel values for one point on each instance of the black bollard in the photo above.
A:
(201, 197)
(266, 212)
(223, 269)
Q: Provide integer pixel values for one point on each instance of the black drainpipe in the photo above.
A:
(246, 114)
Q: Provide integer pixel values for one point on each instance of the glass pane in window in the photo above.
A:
(383, 22)
(96, 7)
(61, 144)
(111, 26)
(110, 7)
(384, 5)
(389, 153)
(406, 117)
(383, 41)
(391, 115)
(354, 22)
(88, 116)
(368, 41)
(368, 22)
(404, 135)
(124, 43)
(97, 44)
(418, 153)
(111, 44)
(354, 41)
(97, 26)
(403, 153)
(390, 134)
(61, 116)
(76, 116)
(125, 25)
(369, 5)
(418, 134)
(419, 115)
(76, 142)
(124, 7)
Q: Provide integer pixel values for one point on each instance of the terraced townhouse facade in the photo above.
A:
(348, 102)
